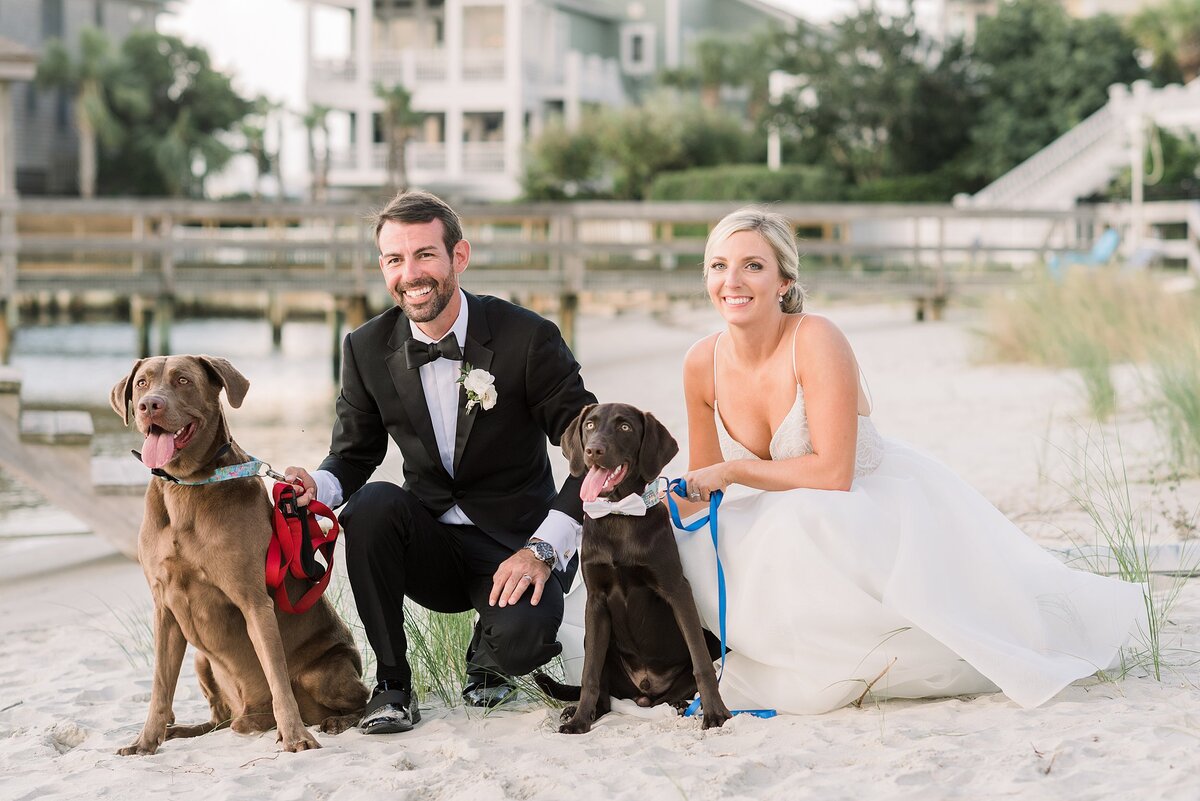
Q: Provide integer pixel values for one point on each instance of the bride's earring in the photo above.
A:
(780, 298)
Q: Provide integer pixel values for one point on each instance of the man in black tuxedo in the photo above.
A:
(478, 523)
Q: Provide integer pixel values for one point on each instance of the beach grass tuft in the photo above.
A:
(134, 633)
(437, 651)
(1175, 407)
(1100, 487)
(1089, 321)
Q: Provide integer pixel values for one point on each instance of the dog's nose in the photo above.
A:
(149, 404)
(594, 450)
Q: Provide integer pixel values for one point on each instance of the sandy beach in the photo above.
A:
(75, 670)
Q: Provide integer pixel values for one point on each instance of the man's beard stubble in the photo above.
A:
(443, 292)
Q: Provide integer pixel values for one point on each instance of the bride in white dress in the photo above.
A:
(854, 562)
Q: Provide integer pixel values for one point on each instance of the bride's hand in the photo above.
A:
(701, 483)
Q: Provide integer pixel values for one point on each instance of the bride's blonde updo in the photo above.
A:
(777, 232)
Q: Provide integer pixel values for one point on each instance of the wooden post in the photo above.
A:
(141, 316)
(5, 333)
(336, 317)
(9, 306)
(276, 314)
(939, 279)
(166, 295)
(165, 312)
(571, 270)
(568, 305)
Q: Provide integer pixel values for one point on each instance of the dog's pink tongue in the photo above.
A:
(593, 483)
(157, 450)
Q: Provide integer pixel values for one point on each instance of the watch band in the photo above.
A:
(544, 551)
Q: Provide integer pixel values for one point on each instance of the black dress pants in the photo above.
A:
(396, 548)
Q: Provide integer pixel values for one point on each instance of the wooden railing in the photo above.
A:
(158, 250)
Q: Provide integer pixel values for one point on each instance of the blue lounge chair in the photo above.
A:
(1101, 254)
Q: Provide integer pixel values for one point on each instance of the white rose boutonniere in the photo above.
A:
(480, 386)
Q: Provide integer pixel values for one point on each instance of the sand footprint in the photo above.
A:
(66, 735)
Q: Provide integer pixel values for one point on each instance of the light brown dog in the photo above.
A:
(203, 549)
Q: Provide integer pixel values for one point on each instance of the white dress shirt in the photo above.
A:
(439, 380)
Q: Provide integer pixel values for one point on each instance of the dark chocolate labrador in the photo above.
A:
(203, 549)
(642, 633)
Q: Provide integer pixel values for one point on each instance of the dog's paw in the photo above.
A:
(336, 724)
(575, 726)
(138, 748)
(567, 713)
(300, 741)
(716, 718)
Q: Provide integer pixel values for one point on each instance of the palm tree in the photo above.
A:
(1171, 32)
(85, 78)
(399, 119)
(317, 119)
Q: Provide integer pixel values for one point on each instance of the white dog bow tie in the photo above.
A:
(634, 505)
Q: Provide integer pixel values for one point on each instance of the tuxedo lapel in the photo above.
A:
(479, 356)
(408, 387)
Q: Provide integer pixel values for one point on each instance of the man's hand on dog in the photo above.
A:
(516, 574)
(300, 479)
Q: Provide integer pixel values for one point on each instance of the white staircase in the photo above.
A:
(1087, 157)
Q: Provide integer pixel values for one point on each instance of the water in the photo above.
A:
(285, 419)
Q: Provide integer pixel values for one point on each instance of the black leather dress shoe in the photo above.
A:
(390, 711)
(481, 695)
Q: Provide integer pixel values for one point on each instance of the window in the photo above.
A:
(62, 110)
(52, 19)
(638, 48)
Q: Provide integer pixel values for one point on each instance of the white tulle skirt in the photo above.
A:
(911, 584)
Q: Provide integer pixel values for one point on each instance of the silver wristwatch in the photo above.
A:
(544, 551)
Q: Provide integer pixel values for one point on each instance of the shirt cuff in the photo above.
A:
(563, 532)
(329, 489)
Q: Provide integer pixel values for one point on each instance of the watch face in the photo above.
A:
(543, 551)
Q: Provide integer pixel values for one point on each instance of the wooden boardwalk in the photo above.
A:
(62, 475)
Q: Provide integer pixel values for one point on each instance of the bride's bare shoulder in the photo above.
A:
(818, 330)
(820, 341)
(698, 363)
(700, 354)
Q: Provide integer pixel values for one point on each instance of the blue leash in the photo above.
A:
(679, 487)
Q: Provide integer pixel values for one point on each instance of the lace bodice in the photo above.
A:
(792, 439)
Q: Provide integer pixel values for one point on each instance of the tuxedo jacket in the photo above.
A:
(502, 477)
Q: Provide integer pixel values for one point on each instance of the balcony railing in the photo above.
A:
(414, 66)
(478, 157)
(483, 65)
(427, 156)
(483, 157)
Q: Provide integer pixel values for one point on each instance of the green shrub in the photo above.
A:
(939, 186)
(749, 182)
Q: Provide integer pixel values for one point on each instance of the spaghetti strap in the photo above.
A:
(867, 391)
(716, 345)
(795, 329)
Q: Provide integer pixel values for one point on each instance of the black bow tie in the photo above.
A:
(417, 353)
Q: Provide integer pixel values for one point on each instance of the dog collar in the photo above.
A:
(631, 505)
(248, 469)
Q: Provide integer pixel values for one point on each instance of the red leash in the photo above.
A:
(296, 538)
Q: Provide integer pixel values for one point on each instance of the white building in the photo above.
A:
(45, 145)
(487, 74)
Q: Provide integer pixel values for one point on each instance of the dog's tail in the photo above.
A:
(556, 690)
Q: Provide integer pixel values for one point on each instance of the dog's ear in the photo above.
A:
(122, 393)
(572, 441)
(227, 376)
(658, 448)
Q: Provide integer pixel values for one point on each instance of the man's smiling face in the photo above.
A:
(421, 275)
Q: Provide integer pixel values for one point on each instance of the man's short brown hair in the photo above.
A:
(415, 206)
